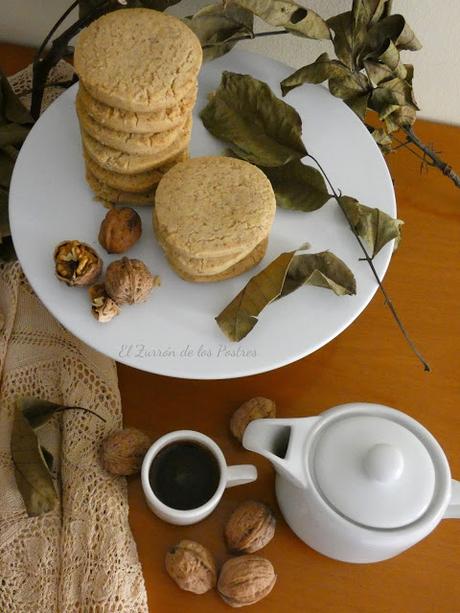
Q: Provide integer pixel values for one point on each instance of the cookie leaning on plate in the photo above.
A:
(138, 59)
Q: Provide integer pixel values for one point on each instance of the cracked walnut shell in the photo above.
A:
(245, 580)
(129, 281)
(120, 230)
(123, 451)
(103, 307)
(191, 566)
(250, 527)
(255, 408)
(77, 263)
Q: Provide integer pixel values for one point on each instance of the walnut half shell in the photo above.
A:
(129, 281)
(250, 527)
(77, 263)
(245, 580)
(191, 566)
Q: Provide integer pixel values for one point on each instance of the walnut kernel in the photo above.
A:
(120, 230)
(250, 527)
(255, 408)
(122, 451)
(129, 281)
(77, 263)
(191, 566)
(245, 580)
(103, 307)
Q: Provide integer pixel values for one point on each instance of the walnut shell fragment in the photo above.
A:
(250, 527)
(255, 408)
(120, 229)
(103, 307)
(129, 281)
(245, 580)
(123, 451)
(77, 263)
(192, 567)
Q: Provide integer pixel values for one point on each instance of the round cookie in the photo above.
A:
(237, 269)
(126, 163)
(128, 142)
(138, 59)
(199, 266)
(141, 182)
(214, 206)
(113, 196)
(137, 123)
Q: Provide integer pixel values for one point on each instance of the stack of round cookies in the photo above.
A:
(212, 217)
(138, 73)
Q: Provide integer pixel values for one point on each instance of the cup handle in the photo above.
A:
(240, 474)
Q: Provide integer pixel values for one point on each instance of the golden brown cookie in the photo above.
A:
(129, 164)
(138, 123)
(141, 182)
(128, 142)
(199, 266)
(214, 206)
(138, 59)
(106, 194)
(237, 269)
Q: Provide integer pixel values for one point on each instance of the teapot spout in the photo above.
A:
(283, 443)
(453, 508)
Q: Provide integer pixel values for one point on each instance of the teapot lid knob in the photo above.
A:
(383, 463)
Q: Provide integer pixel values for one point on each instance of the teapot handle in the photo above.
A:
(453, 508)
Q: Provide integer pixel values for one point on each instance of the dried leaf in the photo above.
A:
(258, 126)
(394, 92)
(366, 12)
(374, 226)
(11, 108)
(298, 187)
(383, 140)
(358, 104)
(216, 25)
(396, 29)
(320, 70)
(286, 273)
(400, 116)
(38, 412)
(31, 470)
(342, 26)
(290, 15)
(377, 72)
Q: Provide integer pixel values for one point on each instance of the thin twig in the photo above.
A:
(62, 409)
(249, 37)
(368, 259)
(447, 170)
(65, 14)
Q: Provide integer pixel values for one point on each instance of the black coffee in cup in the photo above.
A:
(184, 475)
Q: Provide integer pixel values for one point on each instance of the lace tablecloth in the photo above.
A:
(80, 557)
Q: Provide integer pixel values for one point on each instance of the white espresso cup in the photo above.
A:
(229, 477)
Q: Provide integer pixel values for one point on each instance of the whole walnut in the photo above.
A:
(129, 281)
(191, 566)
(245, 580)
(123, 451)
(250, 527)
(255, 408)
(120, 230)
(76, 263)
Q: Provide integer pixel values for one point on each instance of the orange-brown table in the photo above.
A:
(368, 362)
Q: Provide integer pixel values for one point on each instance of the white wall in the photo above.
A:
(437, 65)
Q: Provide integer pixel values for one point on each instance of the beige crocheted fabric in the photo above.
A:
(80, 557)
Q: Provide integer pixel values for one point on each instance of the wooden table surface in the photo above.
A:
(368, 362)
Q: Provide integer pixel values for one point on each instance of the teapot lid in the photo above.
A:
(373, 470)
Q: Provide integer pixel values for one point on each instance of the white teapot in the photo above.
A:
(358, 483)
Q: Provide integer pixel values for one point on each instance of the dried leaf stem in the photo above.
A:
(446, 170)
(251, 37)
(368, 259)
